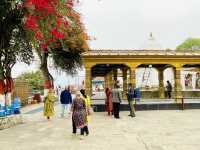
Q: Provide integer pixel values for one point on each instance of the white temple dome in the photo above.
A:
(151, 44)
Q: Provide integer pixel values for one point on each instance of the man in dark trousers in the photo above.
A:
(116, 99)
(169, 89)
(66, 101)
(130, 97)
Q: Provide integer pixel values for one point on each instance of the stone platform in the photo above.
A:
(9, 121)
(148, 104)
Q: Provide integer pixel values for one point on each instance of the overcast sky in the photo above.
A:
(126, 24)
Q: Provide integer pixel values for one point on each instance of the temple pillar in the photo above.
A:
(177, 86)
(161, 82)
(125, 85)
(128, 73)
(105, 81)
(88, 81)
(115, 74)
(110, 80)
(133, 76)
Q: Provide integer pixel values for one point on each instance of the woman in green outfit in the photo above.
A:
(49, 104)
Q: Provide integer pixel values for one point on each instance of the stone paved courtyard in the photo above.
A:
(150, 130)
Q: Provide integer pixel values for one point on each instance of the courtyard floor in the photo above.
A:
(150, 130)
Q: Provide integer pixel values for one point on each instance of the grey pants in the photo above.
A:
(132, 108)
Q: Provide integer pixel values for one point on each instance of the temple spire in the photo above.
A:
(151, 35)
(151, 43)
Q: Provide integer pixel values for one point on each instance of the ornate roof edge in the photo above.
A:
(104, 52)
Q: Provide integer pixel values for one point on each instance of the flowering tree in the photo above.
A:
(14, 45)
(57, 31)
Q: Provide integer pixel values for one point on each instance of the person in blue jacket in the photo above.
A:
(66, 101)
(137, 94)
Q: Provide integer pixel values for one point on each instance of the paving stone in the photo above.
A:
(150, 130)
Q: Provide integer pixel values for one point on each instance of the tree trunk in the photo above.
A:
(2, 86)
(47, 76)
(9, 87)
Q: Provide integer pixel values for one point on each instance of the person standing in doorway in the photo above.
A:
(169, 89)
(116, 98)
(130, 97)
(66, 101)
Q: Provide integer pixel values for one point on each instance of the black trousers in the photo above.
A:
(84, 130)
(116, 108)
(129, 106)
(73, 126)
(169, 94)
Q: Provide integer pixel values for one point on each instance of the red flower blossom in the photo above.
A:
(50, 9)
(51, 40)
(39, 35)
(59, 21)
(44, 14)
(31, 23)
(46, 20)
(53, 31)
(28, 3)
(57, 34)
(44, 46)
(60, 35)
(66, 24)
(41, 4)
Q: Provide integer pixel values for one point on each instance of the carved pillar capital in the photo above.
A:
(133, 76)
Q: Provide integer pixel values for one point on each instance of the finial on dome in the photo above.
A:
(151, 34)
(151, 44)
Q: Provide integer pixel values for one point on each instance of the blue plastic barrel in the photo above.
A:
(2, 111)
(16, 105)
(8, 110)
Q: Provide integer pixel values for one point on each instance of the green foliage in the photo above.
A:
(14, 42)
(34, 79)
(66, 61)
(190, 44)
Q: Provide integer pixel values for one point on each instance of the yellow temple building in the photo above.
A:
(106, 62)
